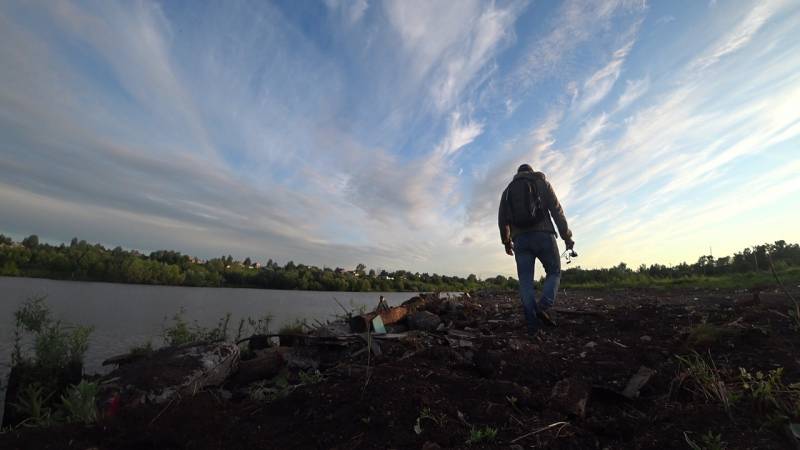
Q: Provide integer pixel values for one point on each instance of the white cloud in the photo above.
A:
(451, 46)
(351, 10)
(634, 89)
(461, 133)
(741, 34)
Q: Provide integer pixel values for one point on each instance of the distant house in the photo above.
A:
(342, 271)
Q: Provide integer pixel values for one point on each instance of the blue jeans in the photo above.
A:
(527, 247)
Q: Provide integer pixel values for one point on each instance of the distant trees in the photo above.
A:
(751, 259)
(31, 241)
(83, 261)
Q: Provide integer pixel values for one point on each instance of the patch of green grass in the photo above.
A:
(310, 377)
(296, 327)
(708, 441)
(482, 434)
(705, 379)
(746, 280)
(706, 334)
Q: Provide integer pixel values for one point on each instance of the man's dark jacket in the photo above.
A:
(550, 205)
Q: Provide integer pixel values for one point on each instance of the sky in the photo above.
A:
(340, 132)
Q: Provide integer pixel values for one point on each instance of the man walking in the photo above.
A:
(527, 232)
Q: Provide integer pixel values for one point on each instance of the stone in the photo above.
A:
(571, 396)
(424, 320)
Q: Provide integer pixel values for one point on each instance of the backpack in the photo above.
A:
(524, 203)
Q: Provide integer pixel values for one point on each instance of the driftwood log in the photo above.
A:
(265, 365)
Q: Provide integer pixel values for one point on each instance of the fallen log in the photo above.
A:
(363, 323)
(266, 364)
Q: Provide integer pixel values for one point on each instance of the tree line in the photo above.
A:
(754, 259)
(80, 260)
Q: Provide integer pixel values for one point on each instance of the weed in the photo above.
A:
(182, 333)
(143, 350)
(310, 377)
(706, 379)
(251, 326)
(709, 441)
(439, 419)
(794, 314)
(80, 402)
(263, 392)
(296, 327)
(260, 325)
(482, 434)
(55, 345)
(706, 334)
(769, 393)
(32, 403)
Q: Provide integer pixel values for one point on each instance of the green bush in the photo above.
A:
(55, 345)
(80, 403)
(32, 402)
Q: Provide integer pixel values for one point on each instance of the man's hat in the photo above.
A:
(525, 168)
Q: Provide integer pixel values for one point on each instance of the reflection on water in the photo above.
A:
(125, 315)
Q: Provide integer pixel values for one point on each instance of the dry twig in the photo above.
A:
(534, 432)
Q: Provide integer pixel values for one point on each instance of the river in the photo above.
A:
(126, 315)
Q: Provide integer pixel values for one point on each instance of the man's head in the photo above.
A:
(525, 168)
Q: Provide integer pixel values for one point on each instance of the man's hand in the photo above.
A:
(510, 248)
(570, 243)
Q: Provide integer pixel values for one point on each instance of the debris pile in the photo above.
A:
(623, 369)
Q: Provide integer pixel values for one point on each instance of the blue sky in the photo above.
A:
(339, 132)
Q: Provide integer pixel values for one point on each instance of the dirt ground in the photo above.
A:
(561, 390)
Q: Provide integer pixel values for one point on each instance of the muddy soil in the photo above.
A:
(560, 390)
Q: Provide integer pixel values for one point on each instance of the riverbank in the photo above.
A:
(622, 370)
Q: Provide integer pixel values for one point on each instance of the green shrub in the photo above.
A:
(56, 346)
(143, 350)
(296, 327)
(32, 403)
(80, 402)
(180, 332)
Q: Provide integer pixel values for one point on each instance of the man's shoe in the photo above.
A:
(544, 317)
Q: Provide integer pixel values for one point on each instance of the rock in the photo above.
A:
(645, 338)
(428, 445)
(591, 344)
(571, 395)
(637, 382)
(424, 320)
